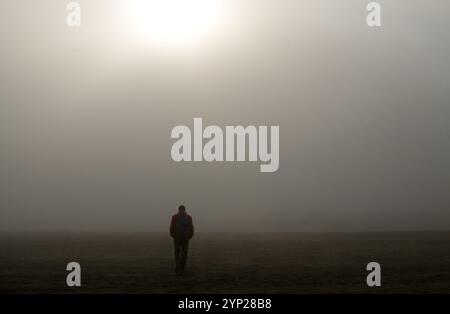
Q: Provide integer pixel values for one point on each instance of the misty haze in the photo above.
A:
(86, 115)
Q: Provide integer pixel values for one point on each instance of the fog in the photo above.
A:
(86, 115)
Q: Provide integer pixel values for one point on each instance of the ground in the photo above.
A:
(411, 262)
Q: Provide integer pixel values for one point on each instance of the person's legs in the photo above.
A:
(184, 252)
(177, 247)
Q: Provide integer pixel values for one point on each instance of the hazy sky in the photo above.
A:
(364, 115)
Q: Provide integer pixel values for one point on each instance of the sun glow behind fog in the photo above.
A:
(174, 22)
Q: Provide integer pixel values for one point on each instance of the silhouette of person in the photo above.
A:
(181, 230)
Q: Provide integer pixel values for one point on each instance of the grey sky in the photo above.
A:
(364, 116)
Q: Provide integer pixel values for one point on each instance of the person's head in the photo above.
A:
(181, 209)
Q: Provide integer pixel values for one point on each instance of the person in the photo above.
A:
(181, 230)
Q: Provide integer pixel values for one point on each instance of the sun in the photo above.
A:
(174, 22)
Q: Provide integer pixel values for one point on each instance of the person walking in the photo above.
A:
(181, 230)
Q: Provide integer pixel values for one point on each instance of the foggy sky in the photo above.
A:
(364, 116)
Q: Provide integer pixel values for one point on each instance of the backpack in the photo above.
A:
(182, 226)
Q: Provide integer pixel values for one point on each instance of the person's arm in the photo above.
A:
(172, 227)
(191, 229)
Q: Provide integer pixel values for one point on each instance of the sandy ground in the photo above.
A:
(227, 263)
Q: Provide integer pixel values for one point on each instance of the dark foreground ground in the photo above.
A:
(228, 263)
